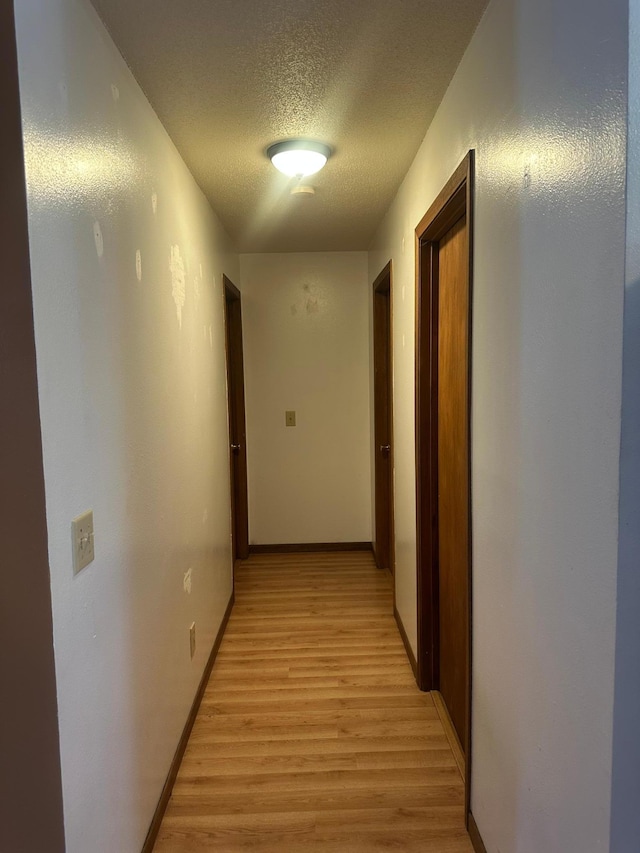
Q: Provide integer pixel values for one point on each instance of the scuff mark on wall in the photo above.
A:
(99, 241)
(115, 92)
(138, 265)
(154, 202)
(178, 282)
(186, 581)
(211, 336)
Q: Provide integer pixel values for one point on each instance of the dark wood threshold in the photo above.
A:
(474, 835)
(407, 644)
(310, 547)
(184, 739)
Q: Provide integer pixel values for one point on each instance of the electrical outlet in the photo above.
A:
(192, 639)
(290, 418)
(82, 539)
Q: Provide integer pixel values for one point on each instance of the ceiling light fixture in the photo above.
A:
(302, 190)
(298, 158)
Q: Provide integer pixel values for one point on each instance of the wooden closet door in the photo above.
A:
(453, 473)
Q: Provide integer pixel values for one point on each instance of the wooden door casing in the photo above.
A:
(444, 273)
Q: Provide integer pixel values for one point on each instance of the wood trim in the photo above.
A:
(184, 738)
(309, 547)
(449, 730)
(452, 201)
(31, 807)
(457, 198)
(230, 287)
(380, 283)
(448, 192)
(470, 187)
(474, 834)
(405, 640)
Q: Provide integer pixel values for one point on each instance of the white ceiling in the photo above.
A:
(229, 77)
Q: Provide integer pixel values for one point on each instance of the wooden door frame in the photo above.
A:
(384, 284)
(239, 539)
(455, 200)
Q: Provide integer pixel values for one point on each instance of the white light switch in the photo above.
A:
(82, 537)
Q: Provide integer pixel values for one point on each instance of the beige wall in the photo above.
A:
(306, 348)
(127, 261)
(540, 94)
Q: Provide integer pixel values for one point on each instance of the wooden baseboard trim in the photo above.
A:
(184, 739)
(309, 547)
(452, 737)
(474, 835)
(407, 644)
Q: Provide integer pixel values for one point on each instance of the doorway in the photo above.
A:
(383, 547)
(237, 425)
(443, 398)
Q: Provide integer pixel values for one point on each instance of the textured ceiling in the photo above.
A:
(229, 77)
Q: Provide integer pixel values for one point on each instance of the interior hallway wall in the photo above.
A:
(541, 95)
(127, 260)
(306, 349)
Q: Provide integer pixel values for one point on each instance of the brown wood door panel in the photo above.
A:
(453, 473)
(383, 426)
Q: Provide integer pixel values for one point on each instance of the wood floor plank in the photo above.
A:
(318, 746)
(312, 734)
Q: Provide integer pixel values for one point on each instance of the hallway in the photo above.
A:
(312, 734)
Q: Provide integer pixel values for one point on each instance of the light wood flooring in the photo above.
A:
(312, 735)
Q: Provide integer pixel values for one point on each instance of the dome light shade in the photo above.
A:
(298, 158)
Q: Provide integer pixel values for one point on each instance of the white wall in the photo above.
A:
(306, 348)
(132, 394)
(540, 94)
(625, 814)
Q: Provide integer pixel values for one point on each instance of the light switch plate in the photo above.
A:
(290, 418)
(82, 539)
